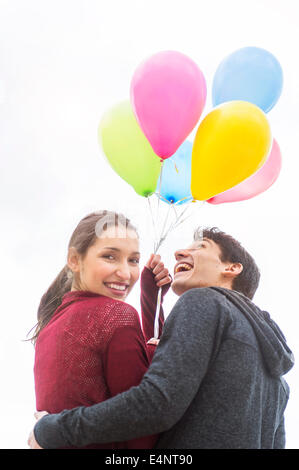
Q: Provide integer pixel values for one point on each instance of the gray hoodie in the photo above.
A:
(215, 383)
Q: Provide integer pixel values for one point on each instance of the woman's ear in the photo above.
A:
(73, 260)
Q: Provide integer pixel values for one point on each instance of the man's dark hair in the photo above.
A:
(232, 251)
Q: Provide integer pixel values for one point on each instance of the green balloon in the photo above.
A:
(127, 149)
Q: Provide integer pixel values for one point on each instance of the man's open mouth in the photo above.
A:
(181, 267)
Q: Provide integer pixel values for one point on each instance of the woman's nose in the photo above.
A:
(123, 272)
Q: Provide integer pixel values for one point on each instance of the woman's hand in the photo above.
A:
(31, 439)
(162, 276)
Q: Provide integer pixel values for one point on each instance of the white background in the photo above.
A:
(62, 65)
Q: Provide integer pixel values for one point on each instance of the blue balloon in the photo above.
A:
(176, 176)
(248, 74)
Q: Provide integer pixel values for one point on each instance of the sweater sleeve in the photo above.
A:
(188, 344)
(148, 300)
(125, 363)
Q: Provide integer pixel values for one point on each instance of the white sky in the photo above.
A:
(62, 65)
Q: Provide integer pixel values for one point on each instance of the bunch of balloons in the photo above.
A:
(233, 157)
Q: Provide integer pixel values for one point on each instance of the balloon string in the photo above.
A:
(153, 220)
(156, 324)
(156, 247)
(178, 217)
(172, 225)
(162, 238)
(187, 217)
(178, 221)
(173, 203)
(164, 233)
(183, 199)
(158, 206)
(165, 222)
(171, 206)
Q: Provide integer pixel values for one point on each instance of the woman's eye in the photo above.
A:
(111, 257)
(135, 260)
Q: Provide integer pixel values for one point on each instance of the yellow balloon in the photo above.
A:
(231, 143)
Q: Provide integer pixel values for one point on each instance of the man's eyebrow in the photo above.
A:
(203, 240)
(117, 249)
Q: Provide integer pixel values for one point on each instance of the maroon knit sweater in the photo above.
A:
(94, 348)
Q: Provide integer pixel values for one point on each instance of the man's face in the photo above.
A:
(199, 265)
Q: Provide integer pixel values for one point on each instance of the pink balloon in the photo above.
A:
(168, 94)
(255, 184)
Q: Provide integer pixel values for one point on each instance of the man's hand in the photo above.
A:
(32, 442)
(31, 439)
(162, 275)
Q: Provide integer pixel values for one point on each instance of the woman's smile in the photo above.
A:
(117, 288)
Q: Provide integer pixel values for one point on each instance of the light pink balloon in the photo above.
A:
(255, 184)
(168, 94)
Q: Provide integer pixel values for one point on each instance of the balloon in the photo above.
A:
(127, 149)
(255, 184)
(248, 74)
(176, 176)
(231, 143)
(168, 94)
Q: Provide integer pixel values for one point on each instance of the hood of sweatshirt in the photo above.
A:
(278, 357)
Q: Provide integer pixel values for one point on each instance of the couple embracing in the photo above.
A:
(213, 381)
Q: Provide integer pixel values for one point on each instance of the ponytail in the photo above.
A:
(51, 300)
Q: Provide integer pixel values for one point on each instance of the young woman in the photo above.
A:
(89, 344)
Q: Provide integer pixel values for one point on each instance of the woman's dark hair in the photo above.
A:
(232, 251)
(84, 236)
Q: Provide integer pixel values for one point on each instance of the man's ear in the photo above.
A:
(73, 259)
(233, 270)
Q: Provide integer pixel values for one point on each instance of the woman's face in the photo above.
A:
(110, 267)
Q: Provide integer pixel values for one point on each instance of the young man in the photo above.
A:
(216, 378)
